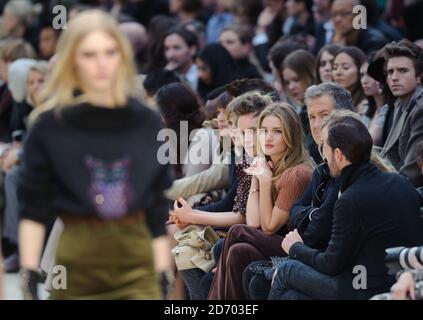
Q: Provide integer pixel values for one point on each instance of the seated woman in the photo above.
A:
(243, 111)
(379, 105)
(216, 177)
(216, 68)
(182, 113)
(280, 175)
(298, 73)
(311, 215)
(346, 72)
(324, 63)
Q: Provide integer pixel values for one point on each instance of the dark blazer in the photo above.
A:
(312, 214)
(320, 37)
(405, 133)
(375, 211)
(369, 40)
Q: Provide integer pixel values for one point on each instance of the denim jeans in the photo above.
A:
(192, 278)
(197, 281)
(295, 280)
(205, 284)
(256, 286)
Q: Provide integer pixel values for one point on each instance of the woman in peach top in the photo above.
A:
(281, 173)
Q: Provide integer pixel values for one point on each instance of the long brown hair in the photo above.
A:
(293, 137)
(358, 57)
(303, 64)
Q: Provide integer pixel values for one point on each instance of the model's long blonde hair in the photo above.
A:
(293, 136)
(59, 90)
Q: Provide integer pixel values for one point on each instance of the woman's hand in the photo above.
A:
(261, 169)
(178, 223)
(184, 213)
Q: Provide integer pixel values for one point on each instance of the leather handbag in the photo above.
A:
(194, 248)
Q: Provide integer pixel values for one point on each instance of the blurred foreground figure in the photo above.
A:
(90, 159)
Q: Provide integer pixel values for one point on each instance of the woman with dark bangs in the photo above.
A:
(216, 68)
(346, 72)
(178, 104)
(298, 73)
(379, 105)
(324, 63)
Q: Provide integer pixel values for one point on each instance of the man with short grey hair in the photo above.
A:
(321, 101)
(312, 213)
(341, 96)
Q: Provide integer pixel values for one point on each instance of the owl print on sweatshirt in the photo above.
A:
(110, 191)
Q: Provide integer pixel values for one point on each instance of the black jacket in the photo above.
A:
(375, 211)
(312, 214)
(369, 40)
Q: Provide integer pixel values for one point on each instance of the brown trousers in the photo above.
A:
(242, 246)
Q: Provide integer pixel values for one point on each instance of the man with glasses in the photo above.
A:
(345, 32)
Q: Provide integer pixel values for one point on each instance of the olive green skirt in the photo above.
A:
(111, 261)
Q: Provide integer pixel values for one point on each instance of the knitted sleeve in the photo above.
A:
(35, 183)
(291, 185)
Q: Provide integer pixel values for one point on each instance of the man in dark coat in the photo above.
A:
(374, 211)
(404, 67)
(344, 31)
(312, 213)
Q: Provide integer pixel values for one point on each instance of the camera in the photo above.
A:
(402, 258)
(408, 259)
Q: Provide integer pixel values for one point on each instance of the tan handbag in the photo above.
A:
(194, 248)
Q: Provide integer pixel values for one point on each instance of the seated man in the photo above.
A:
(244, 112)
(312, 213)
(405, 287)
(218, 175)
(404, 69)
(366, 221)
